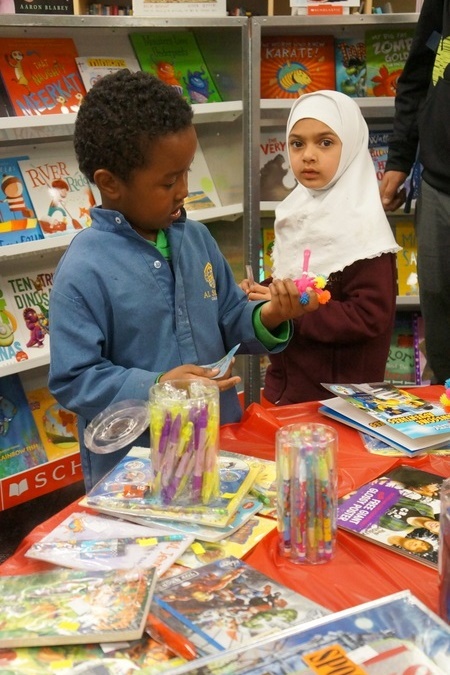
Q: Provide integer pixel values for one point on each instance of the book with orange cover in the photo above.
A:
(40, 75)
(292, 65)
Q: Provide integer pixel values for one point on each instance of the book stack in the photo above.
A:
(397, 417)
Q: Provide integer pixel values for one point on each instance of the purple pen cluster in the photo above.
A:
(306, 492)
(184, 450)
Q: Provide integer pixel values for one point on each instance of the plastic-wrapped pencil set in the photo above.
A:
(307, 492)
(184, 432)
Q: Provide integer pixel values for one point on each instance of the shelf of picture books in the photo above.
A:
(188, 58)
(39, 449)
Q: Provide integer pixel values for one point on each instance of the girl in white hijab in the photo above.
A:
(335, 211)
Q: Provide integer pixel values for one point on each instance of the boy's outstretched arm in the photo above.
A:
(285, 303)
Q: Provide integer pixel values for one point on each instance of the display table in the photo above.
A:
(360, 571)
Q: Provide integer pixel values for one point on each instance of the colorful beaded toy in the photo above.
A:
(315, 281)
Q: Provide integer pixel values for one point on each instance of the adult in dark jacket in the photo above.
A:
(422, 119)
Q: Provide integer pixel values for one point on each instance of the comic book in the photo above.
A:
(20, 445)
(292, 65)
(386, 52)
(176, 59)
(66, 606)
(399, 511)
(394, 634)
(237, 544)
(18, 221)
(127, 489)
(98, 542)
(40, 75)
(227, 603)
(399, 417)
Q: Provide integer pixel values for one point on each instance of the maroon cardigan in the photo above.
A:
(346, 340)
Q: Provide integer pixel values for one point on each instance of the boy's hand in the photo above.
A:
(285, 303)
(255, 291)
(191, 372)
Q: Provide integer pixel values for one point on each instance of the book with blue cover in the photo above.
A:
(18, 220)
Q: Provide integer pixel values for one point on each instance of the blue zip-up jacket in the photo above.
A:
(120, 315)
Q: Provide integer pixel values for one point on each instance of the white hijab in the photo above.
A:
(344, 221)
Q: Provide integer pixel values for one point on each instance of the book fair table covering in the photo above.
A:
(360, 571)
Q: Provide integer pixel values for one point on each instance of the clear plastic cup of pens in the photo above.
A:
(306, 492)
(184, 441)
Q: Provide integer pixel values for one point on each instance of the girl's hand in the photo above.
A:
(285, 303)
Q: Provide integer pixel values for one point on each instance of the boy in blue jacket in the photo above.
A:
(145, 294)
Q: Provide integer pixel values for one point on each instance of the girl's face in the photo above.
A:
(314, 152)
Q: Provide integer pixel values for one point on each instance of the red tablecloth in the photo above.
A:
(360, 571)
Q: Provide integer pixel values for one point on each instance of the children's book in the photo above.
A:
(93, 68)
(275, 175)
(18, 221)
(65, 7)
(292, 65)
(127, 489)
(401, 360)
(97, 542)
(57, 426)
(227, 603)
(249, 507)
(20, 445)
(27, 298)
(66, 606)
(407, 280)
(60, 194)
(41, 75)
(350, 58)
(386, 52)
(393, 634)
(202, 190)
(265, 485)
(13, 341)
(176, 59)
(378, 148)
(238, 544)
(407, 421)
(399, 511)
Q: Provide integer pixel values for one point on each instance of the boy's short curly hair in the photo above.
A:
(120, 117)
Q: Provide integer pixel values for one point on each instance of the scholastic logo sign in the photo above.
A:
(40, 480)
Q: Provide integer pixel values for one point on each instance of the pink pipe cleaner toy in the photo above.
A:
(315, 281)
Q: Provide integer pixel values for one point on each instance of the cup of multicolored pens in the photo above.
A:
(306, 492)
(184, 441)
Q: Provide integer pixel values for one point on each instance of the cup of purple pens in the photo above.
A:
(184, 441)
(306, 492)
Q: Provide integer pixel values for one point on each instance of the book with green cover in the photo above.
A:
(175, 58)
(386, 52)
(65, 606)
